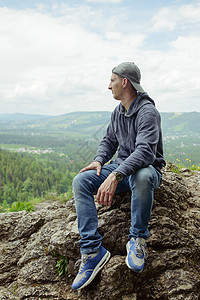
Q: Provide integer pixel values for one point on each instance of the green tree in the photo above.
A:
(27, 186)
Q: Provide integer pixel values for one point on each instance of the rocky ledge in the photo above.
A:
(33, 243)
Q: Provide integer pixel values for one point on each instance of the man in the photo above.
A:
(135, 132)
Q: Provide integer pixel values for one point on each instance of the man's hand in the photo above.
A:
(107, 190)
(95, 165)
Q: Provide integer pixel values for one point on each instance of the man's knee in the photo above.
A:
(144, 175)
(84, 181)
(75, 182)
(79, 180)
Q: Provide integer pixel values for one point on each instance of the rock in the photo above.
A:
(33, 243)
(186, 172)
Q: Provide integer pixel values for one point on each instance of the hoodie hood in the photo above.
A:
(141, 100)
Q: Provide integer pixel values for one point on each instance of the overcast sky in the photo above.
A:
(56, 57)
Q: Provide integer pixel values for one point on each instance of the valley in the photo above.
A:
(39, 156)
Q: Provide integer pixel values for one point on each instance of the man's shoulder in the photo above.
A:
(148, 108)
(148, 114)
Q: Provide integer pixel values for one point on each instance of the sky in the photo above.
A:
(57, 56)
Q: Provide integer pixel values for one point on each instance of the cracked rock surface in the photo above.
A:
(32, 243)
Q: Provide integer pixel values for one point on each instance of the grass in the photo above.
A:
(177, 165)
(186, 164)
(30, 204)
(18, 206)
(61, 264)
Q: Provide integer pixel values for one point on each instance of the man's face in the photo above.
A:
(116, 86)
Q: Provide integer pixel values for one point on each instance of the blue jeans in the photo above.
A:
(86, 184)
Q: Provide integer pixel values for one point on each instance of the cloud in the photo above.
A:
(59, 61)
(47, 58)
(162, 21)
(171, 17)
(173, 76)
(104, 1)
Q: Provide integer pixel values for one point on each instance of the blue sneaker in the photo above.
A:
(90, 265)
(136, 254)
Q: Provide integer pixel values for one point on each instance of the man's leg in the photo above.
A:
(142, 185)
(94, 256)
(85, 185)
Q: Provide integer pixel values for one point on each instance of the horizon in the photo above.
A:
(89, 111)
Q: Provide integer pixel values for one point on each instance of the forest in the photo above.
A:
(34, 175)
(26, 178)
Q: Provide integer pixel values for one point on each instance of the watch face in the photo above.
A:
(119, 176)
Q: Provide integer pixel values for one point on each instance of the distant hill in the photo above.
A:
(77, 123)
(181, 123)
(87, 123)
(78, 134)
(19, 117)
(80, 122)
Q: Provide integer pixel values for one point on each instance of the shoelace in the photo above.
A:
(140, 249)
(82, 261)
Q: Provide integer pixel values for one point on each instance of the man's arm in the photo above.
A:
(146, 144)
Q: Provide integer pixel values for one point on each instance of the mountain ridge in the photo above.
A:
(90, 121)
(10, 117)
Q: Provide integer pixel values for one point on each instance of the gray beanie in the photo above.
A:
(130, 71)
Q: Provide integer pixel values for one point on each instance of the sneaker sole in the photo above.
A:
(96, 270)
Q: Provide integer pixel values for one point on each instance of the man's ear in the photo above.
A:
(124, 82)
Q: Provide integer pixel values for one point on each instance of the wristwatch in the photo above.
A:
(119, 176)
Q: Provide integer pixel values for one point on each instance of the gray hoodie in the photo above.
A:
(136, 135)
